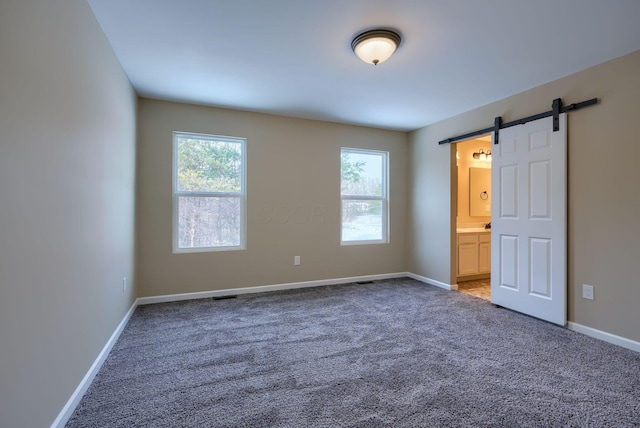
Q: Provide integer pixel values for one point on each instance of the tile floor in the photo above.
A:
(479, 288)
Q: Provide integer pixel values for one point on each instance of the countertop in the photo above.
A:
(472, 230)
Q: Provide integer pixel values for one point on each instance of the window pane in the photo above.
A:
(362, 173)
(362, 220)
(208, 165)
(208, 222)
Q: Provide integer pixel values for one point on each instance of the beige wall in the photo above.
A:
(432, 201)
(293, 185)
(67, 158)
(603, 175)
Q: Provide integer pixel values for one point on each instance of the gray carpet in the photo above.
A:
(390, 353)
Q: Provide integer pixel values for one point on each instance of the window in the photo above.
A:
(364, 194)
(209, 197)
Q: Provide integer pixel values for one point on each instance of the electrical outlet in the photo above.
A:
(296, 260)
(124, 284)
(587, 291)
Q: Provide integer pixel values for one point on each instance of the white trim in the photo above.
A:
(264, 288)
(432, 281)
(603, 335)
(74, 400)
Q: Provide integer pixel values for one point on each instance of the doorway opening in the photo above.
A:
(473, 216)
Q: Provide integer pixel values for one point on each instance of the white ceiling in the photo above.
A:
(293, 57)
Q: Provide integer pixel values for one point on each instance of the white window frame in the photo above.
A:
(384, 198)
(242, 194)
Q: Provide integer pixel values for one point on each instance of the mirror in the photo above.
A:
(479, 192)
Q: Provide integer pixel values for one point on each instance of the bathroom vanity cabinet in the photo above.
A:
(474, 253)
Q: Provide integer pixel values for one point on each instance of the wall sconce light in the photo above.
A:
(481, 155)
(375, 46)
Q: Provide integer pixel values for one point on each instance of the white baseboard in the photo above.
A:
(432, 281)
(264, 288)
(77, 395)
(603, 335)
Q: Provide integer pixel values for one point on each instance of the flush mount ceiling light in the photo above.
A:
(375, 46)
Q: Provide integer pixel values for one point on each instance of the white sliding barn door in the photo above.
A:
(528, 233)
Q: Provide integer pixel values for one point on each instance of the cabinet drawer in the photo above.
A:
(467, 238)
(484, 237)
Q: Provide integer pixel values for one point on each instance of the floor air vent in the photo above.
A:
(233, 296)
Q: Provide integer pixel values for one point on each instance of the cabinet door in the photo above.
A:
(467, 259)
(484, 257)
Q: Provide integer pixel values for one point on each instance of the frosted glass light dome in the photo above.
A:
(375, 46)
